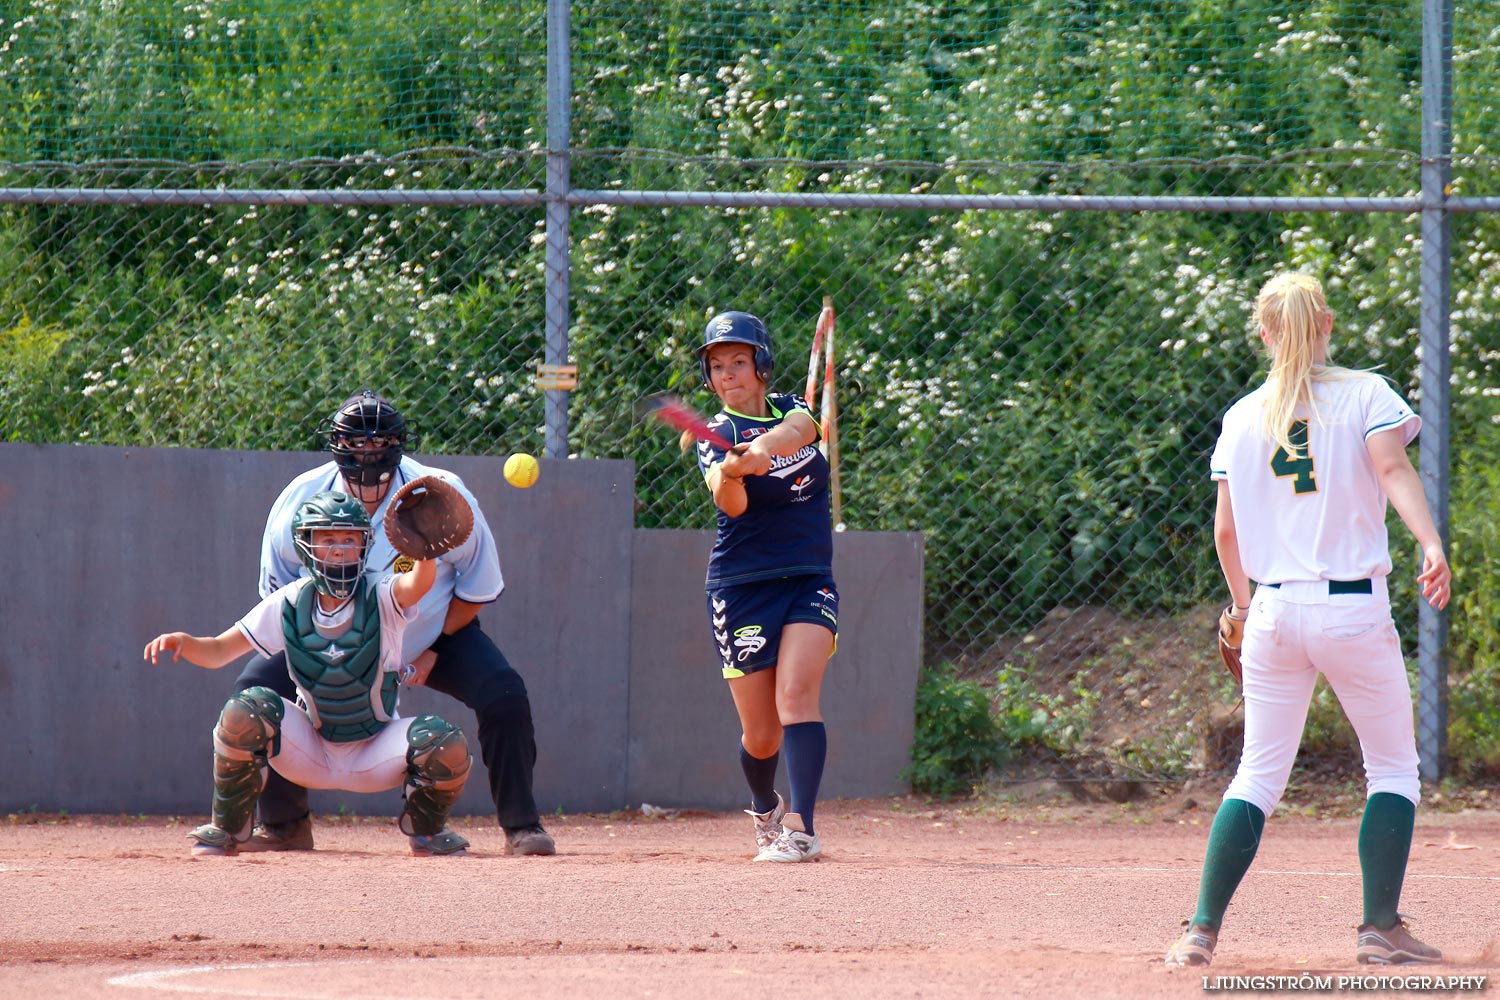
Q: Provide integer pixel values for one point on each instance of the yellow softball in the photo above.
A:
(521, 470)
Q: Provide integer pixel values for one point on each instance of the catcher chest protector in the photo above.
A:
(330, 510)
(367, 418)
(737, 328)
(346, 694)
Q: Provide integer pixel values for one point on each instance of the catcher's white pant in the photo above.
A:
(371, 765)
(1292, 634)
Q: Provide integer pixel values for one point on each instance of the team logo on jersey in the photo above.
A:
(799, 486)
(748, 641)
(403, 564)
(782, 467)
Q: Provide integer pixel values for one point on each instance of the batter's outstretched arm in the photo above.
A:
(1401, 483)
(726, 480)
(793, 434)
(1227, 544)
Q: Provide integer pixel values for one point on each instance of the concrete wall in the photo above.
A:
(683, 731)
(107, 547)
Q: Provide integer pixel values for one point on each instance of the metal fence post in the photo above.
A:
(559, 179)
(1436, 271)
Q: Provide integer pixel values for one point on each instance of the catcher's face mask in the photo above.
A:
(367, 436)
(331, 532)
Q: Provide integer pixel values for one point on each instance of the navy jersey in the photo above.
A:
(787, 529)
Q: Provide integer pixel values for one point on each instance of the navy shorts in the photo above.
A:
(747, 619)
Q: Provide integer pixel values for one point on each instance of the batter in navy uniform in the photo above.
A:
(772, 603)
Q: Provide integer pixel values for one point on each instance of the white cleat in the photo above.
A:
(792, 844)
(767, 824)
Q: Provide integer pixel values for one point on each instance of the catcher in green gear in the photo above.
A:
(342, 639)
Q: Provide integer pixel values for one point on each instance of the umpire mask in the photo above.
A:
(367, 436)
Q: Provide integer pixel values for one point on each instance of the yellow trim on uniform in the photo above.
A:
(730, 673)
(777, 414)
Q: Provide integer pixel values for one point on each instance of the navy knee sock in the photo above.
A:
(806, 745)
(760, 775)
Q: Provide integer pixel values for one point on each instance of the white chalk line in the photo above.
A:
(161, 979)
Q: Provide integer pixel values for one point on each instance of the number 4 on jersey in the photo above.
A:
(1298, 465)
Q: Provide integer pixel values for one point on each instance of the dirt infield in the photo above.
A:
(912, 900)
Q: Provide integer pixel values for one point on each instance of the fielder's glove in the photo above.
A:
(1231, 636)
(427, 517)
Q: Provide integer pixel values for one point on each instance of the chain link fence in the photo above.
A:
(217, 219)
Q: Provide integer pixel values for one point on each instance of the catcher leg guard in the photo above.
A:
(208, 840)
(247, 728)
(437, 763)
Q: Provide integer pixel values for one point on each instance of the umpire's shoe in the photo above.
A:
(294, 836)
(1195, 947)
(529, 840)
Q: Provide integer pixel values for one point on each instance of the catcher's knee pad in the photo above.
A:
(249, 723)
(437, 763)
(437, 753)
(247, 727)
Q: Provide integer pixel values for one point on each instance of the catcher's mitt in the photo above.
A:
(427, 517)
(1231, 635)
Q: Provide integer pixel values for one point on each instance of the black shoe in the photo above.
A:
(294, 836)
(529, 840)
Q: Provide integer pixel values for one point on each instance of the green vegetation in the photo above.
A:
(957, 739)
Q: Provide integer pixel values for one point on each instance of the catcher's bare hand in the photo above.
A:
(1231, 637)
(421, 667)
(427, 517)
(169, 642)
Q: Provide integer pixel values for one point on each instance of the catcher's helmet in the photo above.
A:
(321, 511)
(367, 436)
(737, 328)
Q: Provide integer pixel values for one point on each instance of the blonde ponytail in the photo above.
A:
(1293, 314)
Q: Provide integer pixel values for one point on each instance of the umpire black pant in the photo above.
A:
(469, 667)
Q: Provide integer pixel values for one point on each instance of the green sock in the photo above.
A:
(1231, 847)
(1384, 845)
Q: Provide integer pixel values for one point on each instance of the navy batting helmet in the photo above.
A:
(737, 328)
(367, 436)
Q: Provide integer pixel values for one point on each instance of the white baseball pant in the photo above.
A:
(1293, 633)
(370, 765)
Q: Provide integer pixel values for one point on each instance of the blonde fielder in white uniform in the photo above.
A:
(1304, 465)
